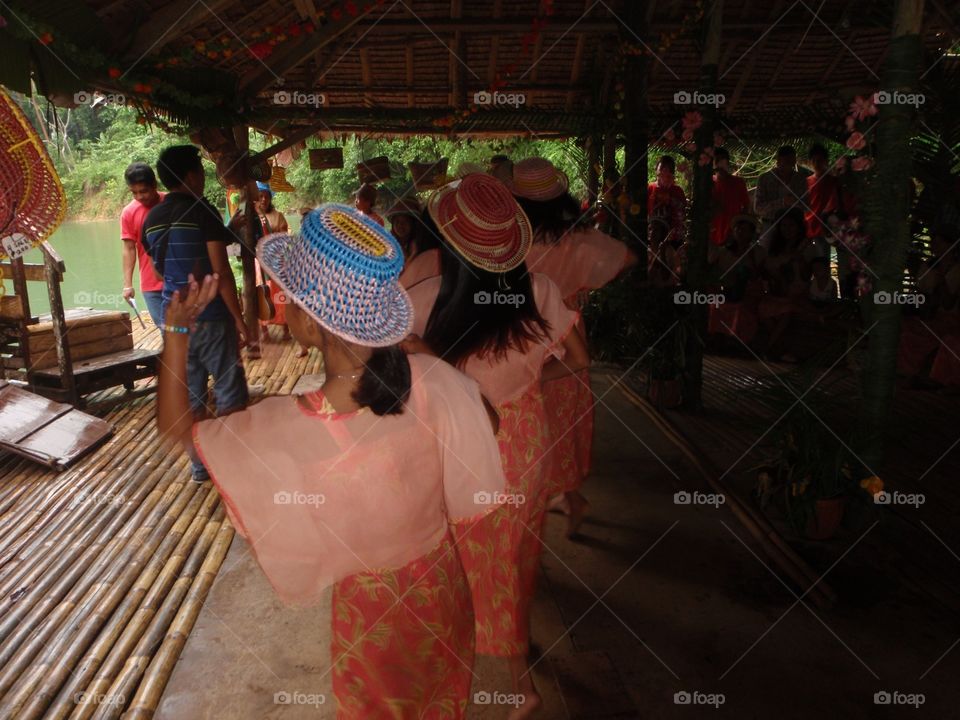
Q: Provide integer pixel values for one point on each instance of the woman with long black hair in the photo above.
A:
(578, 259)
(509, 331)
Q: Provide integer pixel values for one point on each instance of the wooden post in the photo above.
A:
(636, 135)
(241, 135)
(64, 363)
(887, 222)
(701, 209)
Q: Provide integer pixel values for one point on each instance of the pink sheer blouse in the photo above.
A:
(508, 377)
(321, 496)
(584, 259)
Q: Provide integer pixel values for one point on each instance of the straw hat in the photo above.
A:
(33, 202)
(279, 182)
(482, 221)
(405, 206)
(468, 168)
(538, 179)
(342, 269)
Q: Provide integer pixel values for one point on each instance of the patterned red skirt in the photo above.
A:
(501, 551)
(403, 642)
(569, 404)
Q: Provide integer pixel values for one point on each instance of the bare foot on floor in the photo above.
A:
(579, 507)
(530, 705)
(301, 351)
(558, 503)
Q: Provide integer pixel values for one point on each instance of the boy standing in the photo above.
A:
(142, 184)
(185, 236)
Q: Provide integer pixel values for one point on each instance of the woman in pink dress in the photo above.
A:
(507, 330)
(577, 258)
(376, 470)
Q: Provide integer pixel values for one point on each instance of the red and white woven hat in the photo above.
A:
(32, 202)
(538, 179)
(483, 222)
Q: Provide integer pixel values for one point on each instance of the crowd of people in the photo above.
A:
(456, 408)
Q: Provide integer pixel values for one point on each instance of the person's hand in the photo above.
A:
(190, 301)
(128, 293)
(241, 327)
(414, 344)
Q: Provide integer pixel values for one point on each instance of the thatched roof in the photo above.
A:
(399, 66)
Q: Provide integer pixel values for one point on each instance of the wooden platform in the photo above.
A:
(103, 568)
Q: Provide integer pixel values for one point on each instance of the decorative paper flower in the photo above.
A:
(336, 14)
(687, 135)
(692, 120)
(706, 157)
(840, 164)
(683, 167)
(114, 73)
(862, 107)
(718, 139)
(351, 8)
(3, 21)
(46, 38)
(856, 141)
(861, 163)
(261, 50)
(690, 147)
(670, 136)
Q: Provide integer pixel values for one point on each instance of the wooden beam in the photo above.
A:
(365, 73)
(170, 23)
(411, 96)
(292, 54)
(289, 141)
(458, 76)
(494, 45)
(575, 68)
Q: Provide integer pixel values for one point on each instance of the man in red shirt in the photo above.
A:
(667, 204)
(730, 197)
(143, 186)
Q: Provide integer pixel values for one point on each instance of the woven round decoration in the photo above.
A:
(342, 269)
(538, 179)
(482, 221)
(33, 203)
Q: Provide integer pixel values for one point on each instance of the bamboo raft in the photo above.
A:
(104, 568)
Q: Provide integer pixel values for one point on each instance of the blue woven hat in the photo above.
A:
(342, 269)
(262, 186)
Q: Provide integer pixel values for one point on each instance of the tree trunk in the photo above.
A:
(888, 225)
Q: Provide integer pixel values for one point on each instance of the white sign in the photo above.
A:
(16, 245)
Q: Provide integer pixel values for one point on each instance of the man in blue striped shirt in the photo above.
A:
(185, 235)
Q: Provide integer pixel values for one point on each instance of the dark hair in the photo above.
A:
(778, 243)
(818, 150)
(499, 159)
(786, 150)
(384, 386)
(552, 218)
(459, 326)
(721, 152)
(668, 161)
(176, 162)
(819, 260)
(429, 237)
(139, 173)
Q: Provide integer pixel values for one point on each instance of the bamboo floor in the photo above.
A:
(105, 566)
(921, 544)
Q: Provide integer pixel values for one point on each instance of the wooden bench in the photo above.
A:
(66, 354)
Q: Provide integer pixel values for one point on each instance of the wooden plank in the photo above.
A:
(11, 308)
(32, 271)
(104, 362)
(69, 436)
(64, 354)
(22, 412)
(82, 351)
(170, 22)
(80, 317)
(42, 342)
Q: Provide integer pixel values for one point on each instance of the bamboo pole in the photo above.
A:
(160, 667)
(106, 658)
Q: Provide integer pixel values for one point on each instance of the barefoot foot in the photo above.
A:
(579, 507)
(559, 504)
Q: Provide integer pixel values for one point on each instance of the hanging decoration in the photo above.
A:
(503, 75)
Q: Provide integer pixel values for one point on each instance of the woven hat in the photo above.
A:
(342, 269)
(538, 179)
(468, 168)
(279, 182)
(482, 221)
(31, 198)
(405, 206)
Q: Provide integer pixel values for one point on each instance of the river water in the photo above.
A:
(91, 252)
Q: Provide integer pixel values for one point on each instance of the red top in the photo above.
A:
(667, 203)
(730, 198)
(131, 223)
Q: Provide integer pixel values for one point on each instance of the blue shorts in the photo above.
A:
(213, 351)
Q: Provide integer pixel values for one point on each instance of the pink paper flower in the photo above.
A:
(718, 139)
(862, 107)
(670, 136)
(856, 141)
(862, 163)
(850, 122)
(687, 135)
(706, 158)
(690, 147)
(683, 167)
(692, 120)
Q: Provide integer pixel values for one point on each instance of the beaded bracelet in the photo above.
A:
(176, 329)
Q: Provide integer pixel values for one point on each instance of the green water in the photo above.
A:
(91, 252)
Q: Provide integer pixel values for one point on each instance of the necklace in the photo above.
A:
(348, 376)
